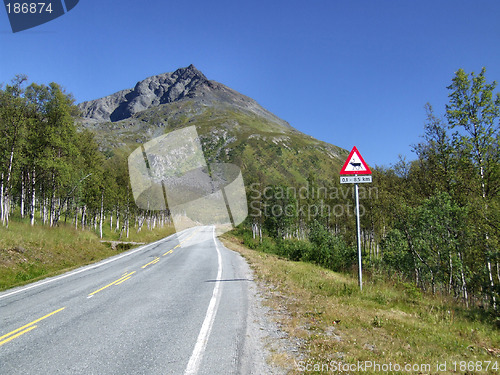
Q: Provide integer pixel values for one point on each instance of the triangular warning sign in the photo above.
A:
(355, 164)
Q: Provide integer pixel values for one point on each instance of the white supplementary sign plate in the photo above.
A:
(355, 179)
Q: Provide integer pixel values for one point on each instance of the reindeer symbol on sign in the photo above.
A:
(356, 163)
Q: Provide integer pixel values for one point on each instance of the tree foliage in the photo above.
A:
(434, 220)
(50, 170)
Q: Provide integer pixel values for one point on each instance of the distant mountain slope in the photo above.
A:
(184, 83)
(232, 127)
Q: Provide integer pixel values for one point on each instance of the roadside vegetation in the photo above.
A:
(60, 195)
(52, 172)
(391, 322)
(432, 222)
(30, 253)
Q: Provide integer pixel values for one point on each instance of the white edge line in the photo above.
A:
(92, 266)
(201, 343)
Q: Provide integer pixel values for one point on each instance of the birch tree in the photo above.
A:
(13, 120)
(474, 110)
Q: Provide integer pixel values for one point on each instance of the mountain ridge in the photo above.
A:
(232, 127)
(184, 83)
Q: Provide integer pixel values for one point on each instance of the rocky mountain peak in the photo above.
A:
(190, 72)
(150, 92)
(183, 84)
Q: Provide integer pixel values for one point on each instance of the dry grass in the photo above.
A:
(384, 324)
(30, 253)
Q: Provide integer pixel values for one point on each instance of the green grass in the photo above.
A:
(30, 253)
(386, 322)
(144, 235)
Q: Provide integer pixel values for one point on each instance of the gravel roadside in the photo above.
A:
(267, 349)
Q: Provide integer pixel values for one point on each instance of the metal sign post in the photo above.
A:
(355, 165)
(360, 274)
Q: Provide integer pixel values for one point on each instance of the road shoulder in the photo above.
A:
(267, 348)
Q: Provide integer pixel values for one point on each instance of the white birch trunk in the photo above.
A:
(33, 199)
(101, 219)
(22, 196)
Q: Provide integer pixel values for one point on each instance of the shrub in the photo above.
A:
(294, 249)
(329, 250)
(249, 241)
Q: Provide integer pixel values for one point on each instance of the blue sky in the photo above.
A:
(351, 72)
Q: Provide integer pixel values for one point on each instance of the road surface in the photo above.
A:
(177, 306)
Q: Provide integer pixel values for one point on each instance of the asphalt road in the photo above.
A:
(177, 306)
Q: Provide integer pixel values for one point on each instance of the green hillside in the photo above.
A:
(257, 145)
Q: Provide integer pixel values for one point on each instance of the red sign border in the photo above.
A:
(367, 169)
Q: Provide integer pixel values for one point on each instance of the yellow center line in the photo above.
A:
(17, 335)
(169, 252)
(187, 239)
(123, 280)
(114, 282)
(153, 261)
(26, 326)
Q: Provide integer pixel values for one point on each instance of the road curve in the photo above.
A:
(176, 306)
